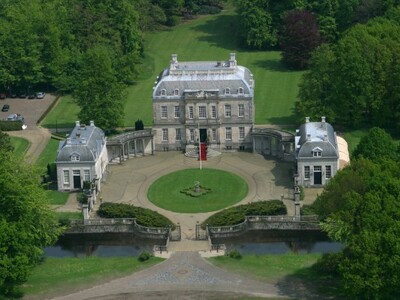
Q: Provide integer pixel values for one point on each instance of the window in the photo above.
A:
(228, 112)
(75, 157)
(165, 134)
(164, 112)
(176, 92)
(163, 92)
(241, 110)
(202, 112)
(317, 153)
(228, 133)
(66, 176)
(190, 112)
(86, 175)
(213, 111)
(214, 134)
(191, 132)
(317, 168)
(177, 112)
(178, 135)
(240, 91)
(241, 133)
(227, 91)
(328, 172)
(306, 172)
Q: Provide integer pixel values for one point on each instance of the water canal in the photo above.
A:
(254, 242)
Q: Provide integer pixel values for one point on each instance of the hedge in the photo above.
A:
(10, 125)
(237, 214)
(143, 216)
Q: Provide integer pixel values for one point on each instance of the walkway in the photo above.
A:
(129, 182)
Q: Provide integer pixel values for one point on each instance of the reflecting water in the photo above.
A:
(253, 242)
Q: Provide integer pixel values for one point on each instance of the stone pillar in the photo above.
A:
(144, 146)
(85, 212)
(128, 150)
(297, 202)
(254, 144)
(134, 141)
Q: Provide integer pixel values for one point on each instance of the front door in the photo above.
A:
(77, 182)
(203, 135)
(317, 175)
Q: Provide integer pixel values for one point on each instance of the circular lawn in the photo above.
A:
(225, 189)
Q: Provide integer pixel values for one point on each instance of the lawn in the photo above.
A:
(64, 114)
(226, 189)
(69, 215)
(206, 38)
(20, 145)
(48, 155)
(56, 197)
(56, 276)
(287, 271)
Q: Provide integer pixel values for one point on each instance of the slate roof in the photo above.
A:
(205, 76)
(316, 134)
(85, 141)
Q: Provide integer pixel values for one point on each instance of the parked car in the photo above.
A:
(3, 96)
(40, 95)
(31, 96)
(13, 95)
(22, 95)
(6, 107)
(15, 117)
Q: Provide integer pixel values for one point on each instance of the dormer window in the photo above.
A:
(163, 92)
(176, 92)
(317, 152)
(240, 91)
(75, 157)
(227, 91)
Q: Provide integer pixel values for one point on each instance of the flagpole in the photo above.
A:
(200, 160)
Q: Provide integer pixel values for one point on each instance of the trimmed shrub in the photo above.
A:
(237, 214)
(11, 125)
(235, 254)
(144, 256)
(307, 210)
(143, 216)
(302, 195)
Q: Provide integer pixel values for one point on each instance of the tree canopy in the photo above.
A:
(27, 223)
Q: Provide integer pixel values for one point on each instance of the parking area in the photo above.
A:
(30, 109)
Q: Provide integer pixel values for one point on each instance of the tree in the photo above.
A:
(139, 125)
(299, 38)
(377, 144)
(360, 207)
(99, 93)
(27, 223)
(5, 142)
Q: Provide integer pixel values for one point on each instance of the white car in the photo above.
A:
(40, 95)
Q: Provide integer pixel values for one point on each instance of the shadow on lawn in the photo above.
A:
(307, 284)
(286, 122)
(274, 64)
(222, 32)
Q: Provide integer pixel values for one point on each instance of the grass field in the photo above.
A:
(287, 271)
(69, 215)
(20, 145)
(66, 275)
(48, 155)
(226, 189)
(206, 38)
(57, 198)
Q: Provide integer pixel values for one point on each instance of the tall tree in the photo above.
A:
(99, 93)
(27, 223)
(299, 38)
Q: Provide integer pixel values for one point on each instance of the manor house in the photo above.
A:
(207, 101)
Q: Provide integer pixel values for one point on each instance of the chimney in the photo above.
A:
(307, 119)
(83, 141)
(92, 123)
(174, 61)
(77, 123)
(232, 60)
(308, 137)
(325, 137)
(323, 119)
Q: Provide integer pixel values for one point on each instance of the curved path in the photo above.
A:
(129, 182)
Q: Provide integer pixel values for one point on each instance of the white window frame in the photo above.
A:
(328, 172)
(190, 108)
(176, 92)
(178, 134)
(241, 133)
(241, 110)
(202, 112)
(317, 153)
(177, 111)
(228, 133)
(164, 112)
(227, 91)
(164, 134)
(213, 112)
(75, 157)
(307, 173)
(228, 111)
(214, 134)
(240, 91)
(86, 175)
(163, 92)
(66, 177)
